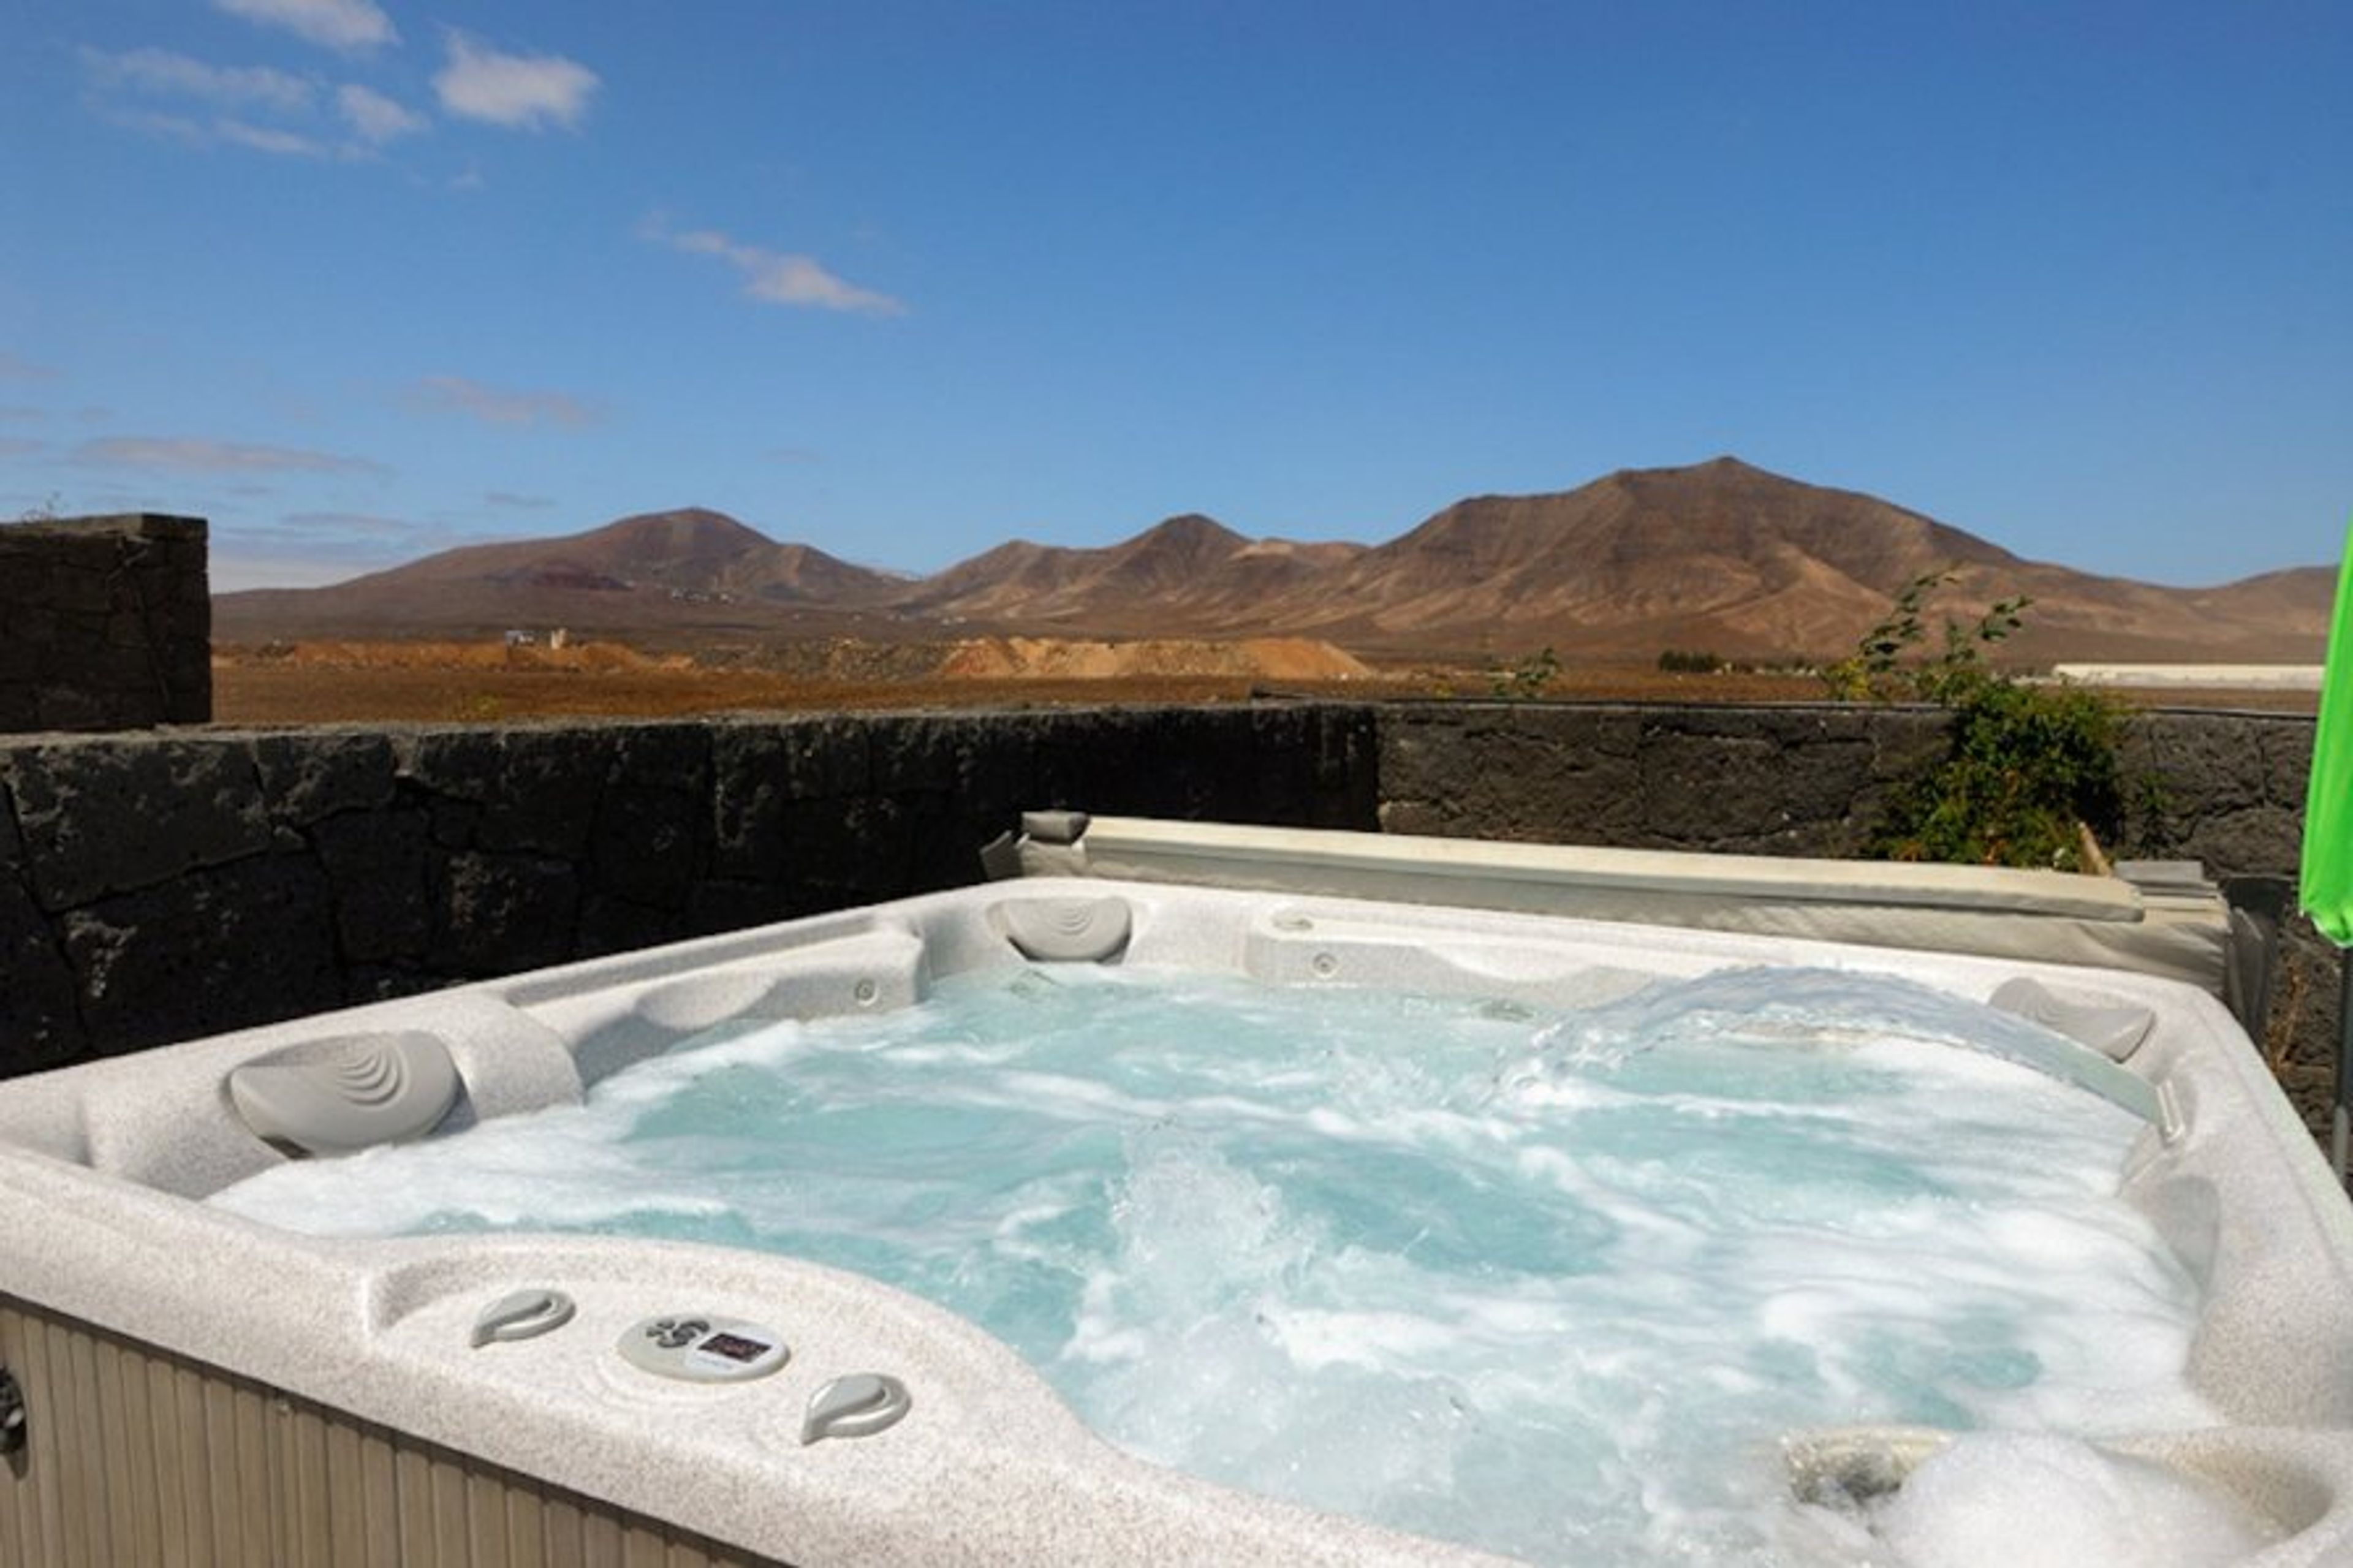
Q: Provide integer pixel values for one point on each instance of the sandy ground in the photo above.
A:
(490, 682)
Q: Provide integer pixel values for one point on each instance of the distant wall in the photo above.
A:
(105, 624)
(157, 887)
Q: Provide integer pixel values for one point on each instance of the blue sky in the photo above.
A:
(360, 279)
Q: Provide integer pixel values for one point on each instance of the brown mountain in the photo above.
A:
(1187, 574)
(1718, 556)
(684, 570)
(1726, 557)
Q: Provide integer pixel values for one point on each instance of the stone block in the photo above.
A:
(749, 789)
(833, 756)
(312, 774)
(1126, 761)
(40, 1018)
(617, 925)
(663, 756)
(221, 947)
(1713, 792)
(1514, 771)
(2204, 760)
(378, 870)
(1348, 791)
(912, 753)
(32, 628)
(528, 791)
(60, 706)
(95, 606)
(647, 845)
(499, 914)
(2261, 839)
(83, 585)
(841, 849)
(100, 817)
(721, 906)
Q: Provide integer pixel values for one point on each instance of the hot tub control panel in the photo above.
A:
(699, 1347)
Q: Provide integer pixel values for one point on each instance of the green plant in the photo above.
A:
(1877, 668)
(1529, 676)
(2032, 779)
(1691, 661)
(2031, 776)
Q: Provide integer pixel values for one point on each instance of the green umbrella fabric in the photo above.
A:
(2325, 885)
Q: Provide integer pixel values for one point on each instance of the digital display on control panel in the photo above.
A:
(734, 1347)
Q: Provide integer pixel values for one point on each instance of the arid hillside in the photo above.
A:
(1719, 556)
(489, 680)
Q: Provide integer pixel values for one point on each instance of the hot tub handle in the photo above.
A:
(525, 1315)
(857, 1405)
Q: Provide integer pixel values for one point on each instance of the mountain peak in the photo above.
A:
(1718, 471)
(1189, 532)
(690, 532)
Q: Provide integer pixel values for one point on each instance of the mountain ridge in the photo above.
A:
(1719, 555)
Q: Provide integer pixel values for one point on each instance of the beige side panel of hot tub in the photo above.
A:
(137, 1458)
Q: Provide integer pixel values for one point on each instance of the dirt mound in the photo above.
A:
(591, 657)
(1274, 659)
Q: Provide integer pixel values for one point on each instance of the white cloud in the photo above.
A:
(266, 138)
(778, 278)
(512, 501)
(365, 524)
(337, 24)
(308, 548)
(524, 91)
(191, 456)
(375, 118)
(226, 129)
(249, 100)
(496, 405)
(178, 127)
(20, 447)
(163, 73)
(17, 367)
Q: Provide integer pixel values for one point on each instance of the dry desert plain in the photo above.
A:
(491, 681)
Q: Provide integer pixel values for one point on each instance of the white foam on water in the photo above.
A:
(2036, 1500)
(1555, 1286)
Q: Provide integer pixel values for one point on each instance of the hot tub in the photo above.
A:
(184, 1378)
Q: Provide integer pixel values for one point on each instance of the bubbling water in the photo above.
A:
(1549, 1285)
